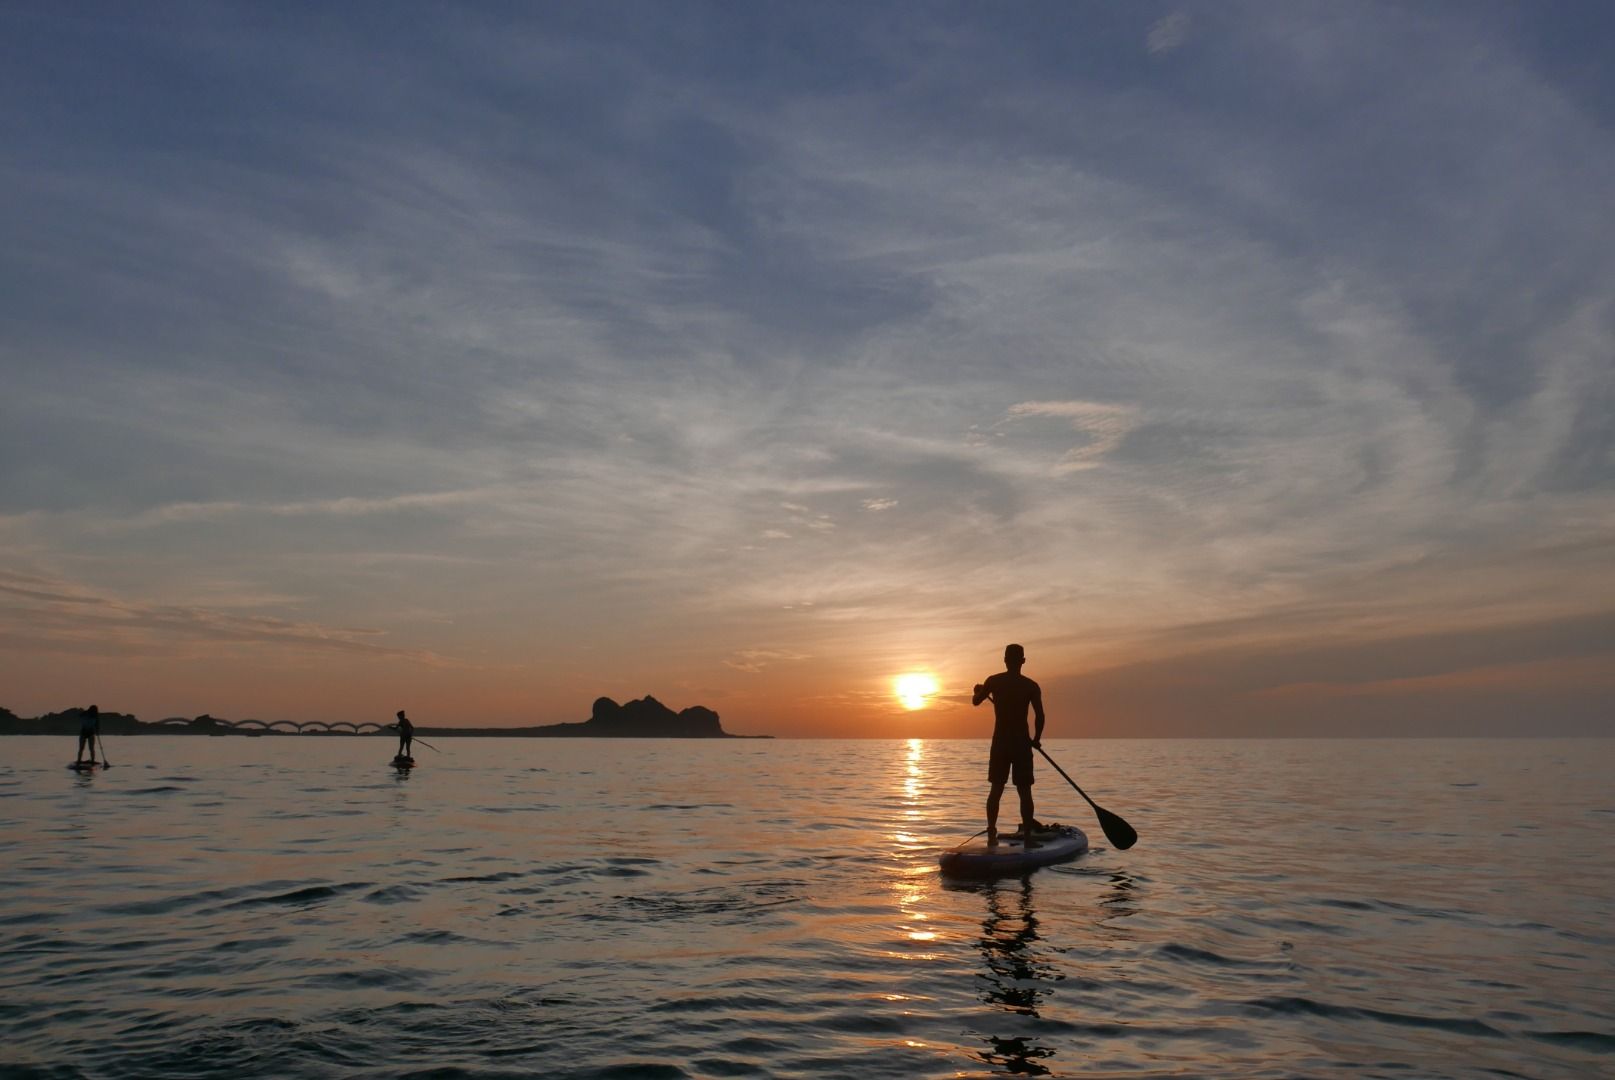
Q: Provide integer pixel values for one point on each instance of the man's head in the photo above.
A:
(400, 714)
(1014, 657)
(92, 711)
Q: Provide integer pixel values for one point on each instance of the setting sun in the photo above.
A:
(914, 689)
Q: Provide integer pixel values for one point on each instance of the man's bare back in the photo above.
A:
(1013, 694)
(1011, 754)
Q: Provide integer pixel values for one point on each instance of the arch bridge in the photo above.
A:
(281, 727)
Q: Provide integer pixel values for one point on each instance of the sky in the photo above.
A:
(1252, 365)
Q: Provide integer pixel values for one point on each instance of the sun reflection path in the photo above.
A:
(918, 880)
(914, 782)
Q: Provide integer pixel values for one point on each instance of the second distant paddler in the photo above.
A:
(89, 728)
(406, 735)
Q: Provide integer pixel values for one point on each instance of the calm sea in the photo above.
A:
(291, 907)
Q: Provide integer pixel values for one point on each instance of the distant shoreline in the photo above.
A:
(178, 731)
(644, 718)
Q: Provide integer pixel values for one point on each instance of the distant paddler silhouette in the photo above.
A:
(406, 736)
(89, 736)
(406, 740)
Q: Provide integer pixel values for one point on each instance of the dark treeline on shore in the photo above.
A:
(644, 718)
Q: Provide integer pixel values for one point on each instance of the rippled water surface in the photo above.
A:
(290, 907)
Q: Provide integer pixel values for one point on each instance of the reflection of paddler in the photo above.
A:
(1012, 694)
(1016, 976)
(1006, 943)
(89, 728)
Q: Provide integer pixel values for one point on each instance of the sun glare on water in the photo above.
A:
(914, 689)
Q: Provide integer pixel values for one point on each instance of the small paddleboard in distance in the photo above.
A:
(401, 762)
(1010, 856)
(86, 766)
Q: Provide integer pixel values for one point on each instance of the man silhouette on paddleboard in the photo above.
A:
(1012, 693)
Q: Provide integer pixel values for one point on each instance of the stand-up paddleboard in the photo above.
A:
(402, 762)
(87, 766)
(1011, 856)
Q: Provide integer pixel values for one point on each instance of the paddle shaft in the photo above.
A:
(1067, 776)
(417, 738)
(1117, 831)
(104, 762)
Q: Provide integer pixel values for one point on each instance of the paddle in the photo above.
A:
(417, 738)
(1117, 831)
(105, 764)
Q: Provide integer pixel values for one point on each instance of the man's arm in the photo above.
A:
(981, 694)
(1037, 710)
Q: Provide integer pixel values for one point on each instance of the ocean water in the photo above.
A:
(291, 907)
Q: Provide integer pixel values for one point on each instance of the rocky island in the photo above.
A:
(645, 718)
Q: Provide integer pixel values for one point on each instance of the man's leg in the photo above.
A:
(1023, 786)
(994, 793)
(1028, 822)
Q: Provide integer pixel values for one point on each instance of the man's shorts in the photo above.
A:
(1010, 755)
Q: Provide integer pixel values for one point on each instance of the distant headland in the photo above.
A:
(644, 718)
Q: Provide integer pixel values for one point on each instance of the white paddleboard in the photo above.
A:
(1011, 856)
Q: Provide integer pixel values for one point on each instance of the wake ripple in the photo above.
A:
(1307, 1006)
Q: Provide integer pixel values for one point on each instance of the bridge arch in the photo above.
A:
(284, 727)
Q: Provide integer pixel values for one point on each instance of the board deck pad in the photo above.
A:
(1010, 856)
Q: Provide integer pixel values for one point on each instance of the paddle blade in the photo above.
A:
(1118, 832)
